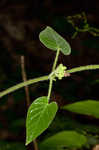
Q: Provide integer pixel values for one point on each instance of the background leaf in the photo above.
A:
(88, 107)
(40, 115)
(52, 40)
(69, 139)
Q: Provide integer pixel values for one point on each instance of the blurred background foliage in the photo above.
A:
(20, 24)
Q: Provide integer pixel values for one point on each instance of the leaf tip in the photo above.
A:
(27, 142)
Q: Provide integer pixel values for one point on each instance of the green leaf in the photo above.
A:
(88, 107)
(40, 115)
(52, 40)
(68, 139)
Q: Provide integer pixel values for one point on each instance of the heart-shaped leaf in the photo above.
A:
(52, 40)
(64, 139)
(40, 115)
(88, 107)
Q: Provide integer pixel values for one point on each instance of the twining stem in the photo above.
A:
(31, 81)
(53, 69)
(24, 76)
(23, 84)
(83, 68)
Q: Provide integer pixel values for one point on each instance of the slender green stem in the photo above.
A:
(22, 84)
(94, 29)
(50, 88)
(51, 79)
(56, 59)
(83, 68)
(31, 81)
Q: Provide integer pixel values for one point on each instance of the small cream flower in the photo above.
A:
(59, 72)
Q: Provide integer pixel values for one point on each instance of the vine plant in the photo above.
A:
(41, 112)
(85, 27)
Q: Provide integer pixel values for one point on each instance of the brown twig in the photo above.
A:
(24, 77)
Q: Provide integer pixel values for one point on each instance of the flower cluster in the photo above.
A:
(59, 72)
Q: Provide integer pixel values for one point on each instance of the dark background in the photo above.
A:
(20, 25)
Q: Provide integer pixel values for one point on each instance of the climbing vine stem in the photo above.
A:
(53, 69)
(23, 84)
(83, 68)
(48, 77)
